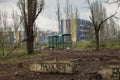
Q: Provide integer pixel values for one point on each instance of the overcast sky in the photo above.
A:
(47, 20)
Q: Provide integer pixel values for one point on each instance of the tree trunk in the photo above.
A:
(97, 41)
(29, 28)
(29, 47)
(3, 49)
(30, 42)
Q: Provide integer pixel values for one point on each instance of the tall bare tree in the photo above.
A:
(30, 10)
(117, 2)
(113, 28)
(4, 20)
(97, 22)
(5, 32)
(71, 12)
(77, 14)
(67, 10)
(0, 19)
(1, 35)
(16, 22)
(58, 16)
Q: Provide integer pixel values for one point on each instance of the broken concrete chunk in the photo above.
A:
(66, 67)
(111, 72)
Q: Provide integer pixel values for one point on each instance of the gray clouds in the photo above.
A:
(47, 18)
(4, 1)
(7, 1)
(50, 7)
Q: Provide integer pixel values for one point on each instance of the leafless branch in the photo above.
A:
(108, 1)
(102, 22)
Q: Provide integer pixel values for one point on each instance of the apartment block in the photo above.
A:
(78, 28)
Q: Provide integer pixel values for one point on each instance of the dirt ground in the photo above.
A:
(87, 62)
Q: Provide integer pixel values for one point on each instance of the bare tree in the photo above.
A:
(2, 42)
(67, 10)
(16, 22)
(58, 16)
(77, 14)
(113, 28)
(4, 20)
(97, 22)
(71, 12)
(101, 15)
(74, 13)
(30, 10)
(5, 32)
(1, 35)
(0, 19)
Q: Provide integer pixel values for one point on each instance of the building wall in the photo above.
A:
(84, 28)
(62, 25)
(40, 36)
(18, 36)
(65, 27)
(78, 28)
(74, 30)
(68, 26)
(23, 35)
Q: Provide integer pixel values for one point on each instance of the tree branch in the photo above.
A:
(39, 10)
(112, 2)
(102, 22)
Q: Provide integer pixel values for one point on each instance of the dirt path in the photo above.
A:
(87, 62)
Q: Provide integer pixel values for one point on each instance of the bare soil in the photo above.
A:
(87, 62)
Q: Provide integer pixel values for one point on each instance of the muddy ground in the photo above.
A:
(87, 62)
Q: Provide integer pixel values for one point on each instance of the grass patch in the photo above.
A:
(91, 45)
(83, 46)
(20, 55)
(110, 44)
